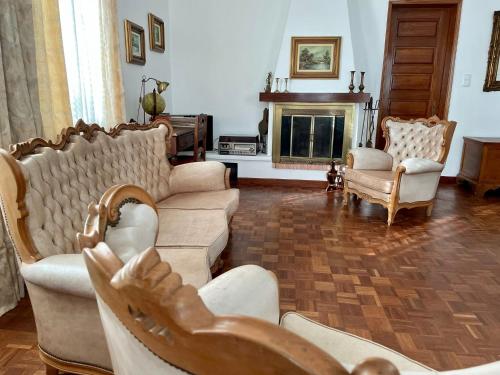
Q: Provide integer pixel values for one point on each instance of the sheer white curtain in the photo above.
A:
(91, 52)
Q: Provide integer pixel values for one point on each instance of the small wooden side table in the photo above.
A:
(481, 163)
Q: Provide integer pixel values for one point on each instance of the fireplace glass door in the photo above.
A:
(311, 138)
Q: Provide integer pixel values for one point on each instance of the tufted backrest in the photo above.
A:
(62, 183)
(414, 140)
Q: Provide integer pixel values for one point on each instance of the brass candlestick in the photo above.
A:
(277, 90)
(351, 85)
(361, 84)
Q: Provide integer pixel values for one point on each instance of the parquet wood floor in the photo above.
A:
(427, 287)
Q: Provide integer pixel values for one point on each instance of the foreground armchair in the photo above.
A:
(155, 324)
(406, 174)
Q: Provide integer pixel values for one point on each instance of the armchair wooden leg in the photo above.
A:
(429, 209)
(391, 213)
(49, 370)
(346, 197)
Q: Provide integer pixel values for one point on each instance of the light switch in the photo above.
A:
(466, 80)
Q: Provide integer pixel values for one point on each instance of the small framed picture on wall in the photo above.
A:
(134, 43)
(156, 33)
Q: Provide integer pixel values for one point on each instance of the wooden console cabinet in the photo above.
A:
(481, 163)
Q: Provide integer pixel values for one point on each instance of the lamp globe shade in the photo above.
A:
(148, 103)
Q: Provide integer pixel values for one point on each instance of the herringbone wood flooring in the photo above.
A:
(427, 287)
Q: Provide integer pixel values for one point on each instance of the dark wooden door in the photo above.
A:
(418, 58)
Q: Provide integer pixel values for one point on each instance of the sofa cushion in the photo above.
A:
(204, 229)
(191, 263)
(346, 348)
(382, 181)
(226, 200)
(372, 193)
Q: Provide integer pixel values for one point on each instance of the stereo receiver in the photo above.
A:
(238, 145)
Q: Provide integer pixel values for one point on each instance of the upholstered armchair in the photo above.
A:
(406, 174)
(155, 324)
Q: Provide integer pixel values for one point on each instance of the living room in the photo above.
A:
(251, 187)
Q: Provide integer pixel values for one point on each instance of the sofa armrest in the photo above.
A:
(197, 177)
(370, 158)
(64, 273)
(418, 165)
(247, 290)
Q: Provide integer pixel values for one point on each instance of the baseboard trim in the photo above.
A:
(447, 180)
(316, 184)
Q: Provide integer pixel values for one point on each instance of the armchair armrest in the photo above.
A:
(197, 177)
(247, 290)
(64, 273)
(418, 165)
(370, 158)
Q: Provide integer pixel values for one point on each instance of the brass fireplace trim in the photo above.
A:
(314, 108)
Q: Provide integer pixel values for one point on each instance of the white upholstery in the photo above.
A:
(64, 273)
(371, 158)
(247, 290)
(414, 141)
(226, 200)
(197, 177)
(418, 165)
(134, 233)
(128, 355)
(378, 180)
(418, 187)
(191, 263)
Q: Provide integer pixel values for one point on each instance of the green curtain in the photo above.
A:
(20, 117)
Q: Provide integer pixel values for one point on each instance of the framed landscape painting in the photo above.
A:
(156, 33)
(134, 43)
(315, 57)
(492, 82)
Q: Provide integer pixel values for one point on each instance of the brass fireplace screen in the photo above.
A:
(312, 134)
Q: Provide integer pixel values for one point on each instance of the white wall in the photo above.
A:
(221, 53)
(157, 64)
(476, 112)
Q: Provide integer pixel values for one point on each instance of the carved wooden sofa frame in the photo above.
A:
(15, 214)
(393, 205)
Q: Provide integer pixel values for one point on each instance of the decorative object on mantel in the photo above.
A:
(263, 130)
(277, 89)
(156, 33)
(368, 127)
(351, 85)
(269, 82)
(286, 85)
(153, 103)
(492, 82)
(315, 57)
(314, 97)
(134, 43)
(362, 82)
(335, 176)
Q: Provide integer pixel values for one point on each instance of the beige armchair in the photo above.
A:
(406, 174)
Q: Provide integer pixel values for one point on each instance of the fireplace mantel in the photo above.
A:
(314, 97)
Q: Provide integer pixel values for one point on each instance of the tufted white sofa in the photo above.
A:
(45, 190)
(406, 174)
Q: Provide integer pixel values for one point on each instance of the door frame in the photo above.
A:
(380, 141)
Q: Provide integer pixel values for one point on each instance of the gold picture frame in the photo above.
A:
(492, 81)
(134, 43)
(315, 57)
(156, 33)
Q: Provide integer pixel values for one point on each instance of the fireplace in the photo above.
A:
(311, 133)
